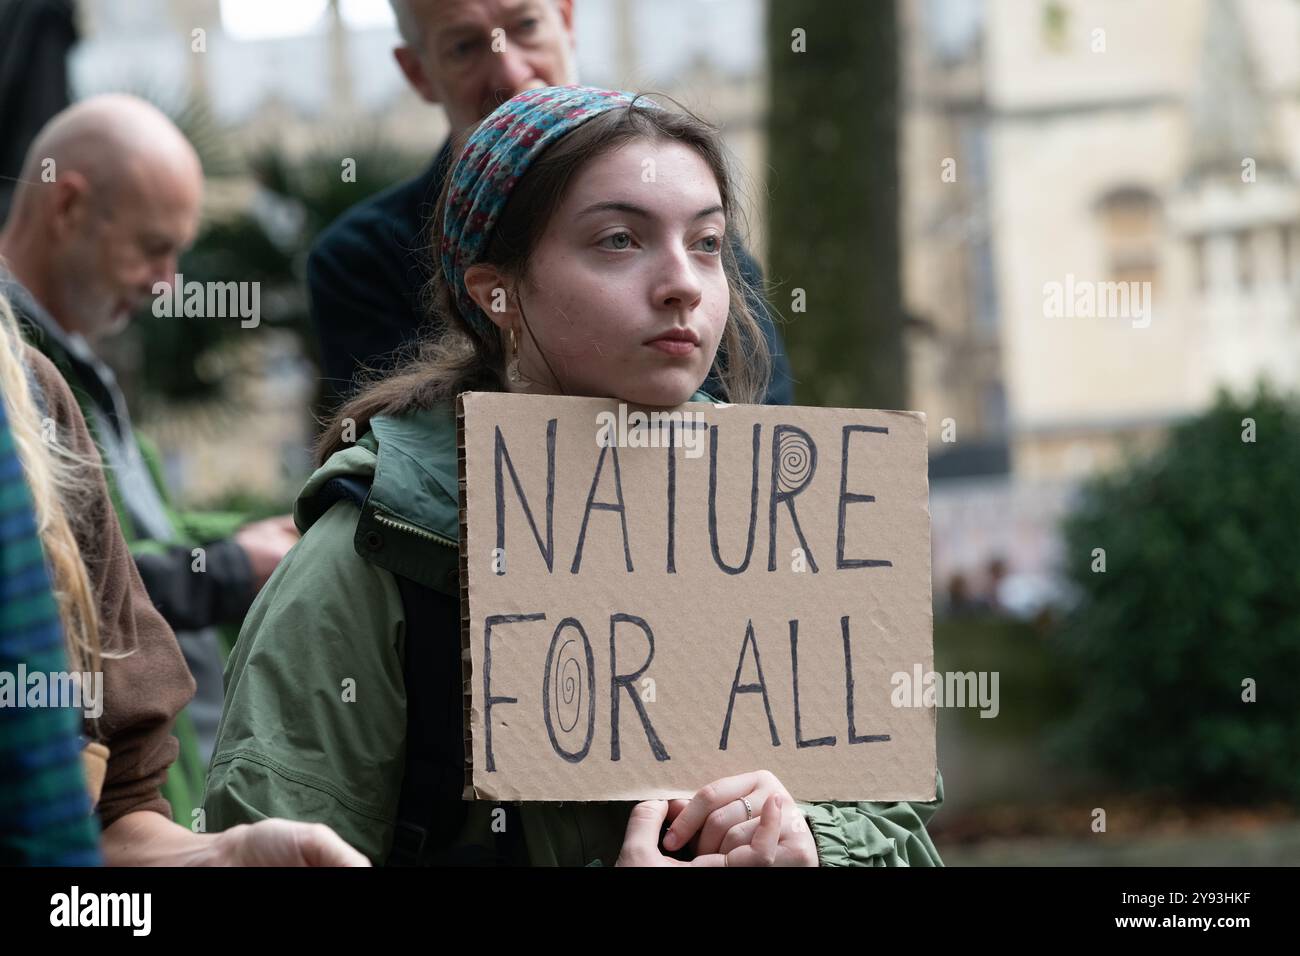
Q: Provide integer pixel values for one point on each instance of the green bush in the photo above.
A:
(1201, 590)
(1032, 683)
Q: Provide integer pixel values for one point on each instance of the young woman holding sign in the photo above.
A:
(607, 273)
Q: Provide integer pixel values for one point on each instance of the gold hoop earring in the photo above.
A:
(512, 369)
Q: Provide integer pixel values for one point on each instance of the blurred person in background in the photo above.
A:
(368, 271)
(55, 512)
(110, 196)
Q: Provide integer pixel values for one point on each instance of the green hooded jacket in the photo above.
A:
(314, 722)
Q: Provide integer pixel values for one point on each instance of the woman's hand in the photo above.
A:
(641, 843)
(724, 825)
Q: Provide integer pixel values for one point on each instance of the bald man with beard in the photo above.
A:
(110, 196)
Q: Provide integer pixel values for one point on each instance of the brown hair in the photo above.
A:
(458, 358)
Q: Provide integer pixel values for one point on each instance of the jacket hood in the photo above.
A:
(402, 474)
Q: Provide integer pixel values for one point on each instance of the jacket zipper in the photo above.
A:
(413, 529)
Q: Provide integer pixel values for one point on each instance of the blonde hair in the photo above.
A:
(59, 485)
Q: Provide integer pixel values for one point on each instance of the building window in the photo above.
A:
(1199, 267)
(954, 29)
(994, 408)
(1130, 227)
(1245, 260)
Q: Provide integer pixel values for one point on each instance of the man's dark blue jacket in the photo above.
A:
(367, 273)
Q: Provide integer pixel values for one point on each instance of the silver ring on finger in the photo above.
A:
(749, 809)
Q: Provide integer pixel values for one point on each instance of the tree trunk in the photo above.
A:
(833, 199)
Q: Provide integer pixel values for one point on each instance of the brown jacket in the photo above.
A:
(143, 692)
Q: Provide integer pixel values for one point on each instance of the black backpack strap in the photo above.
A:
(431, 811)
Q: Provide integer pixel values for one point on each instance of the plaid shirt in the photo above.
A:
(45, 817)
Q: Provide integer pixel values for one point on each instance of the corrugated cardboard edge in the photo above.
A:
(929, 558)
(466, 661)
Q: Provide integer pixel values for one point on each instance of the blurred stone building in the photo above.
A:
(1167, 154)
(1060, 158)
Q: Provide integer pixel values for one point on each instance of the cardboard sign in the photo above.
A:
(654, 599)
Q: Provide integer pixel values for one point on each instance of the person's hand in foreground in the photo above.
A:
(145, 838)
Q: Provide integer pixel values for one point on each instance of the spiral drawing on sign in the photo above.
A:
(569, 665)
(794, 461)
(568, 683)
